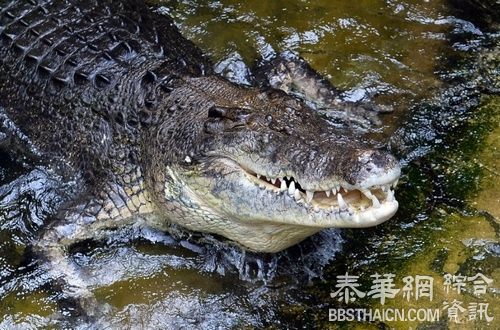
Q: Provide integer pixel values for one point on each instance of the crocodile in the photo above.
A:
(111, 94)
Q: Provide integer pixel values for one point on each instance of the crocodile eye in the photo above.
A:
(215, 112)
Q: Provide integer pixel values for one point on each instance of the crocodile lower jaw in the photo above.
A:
(343, 205)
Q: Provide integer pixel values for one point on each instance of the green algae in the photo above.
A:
(488, 196)
(150, 289)
(22, 305)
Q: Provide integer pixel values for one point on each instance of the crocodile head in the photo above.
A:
(269, 171)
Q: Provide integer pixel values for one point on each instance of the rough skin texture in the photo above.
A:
(110, 92)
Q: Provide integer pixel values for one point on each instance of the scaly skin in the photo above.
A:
(112, 92)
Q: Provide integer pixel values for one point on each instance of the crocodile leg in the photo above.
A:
(53, 248)
(92, 220)
(295, 76)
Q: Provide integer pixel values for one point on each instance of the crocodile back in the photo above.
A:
(76, 76)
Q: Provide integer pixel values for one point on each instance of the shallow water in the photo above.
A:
(419, 57)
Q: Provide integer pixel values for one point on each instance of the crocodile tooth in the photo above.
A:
(283, 185)
(367, 193)
(296, 195)
(273, 181)
(334, 190)
(327, 192)
(341, 201)
(310, 195)
(372, 197)
(395, 183)
(291, 189)
(390, 195)
(258, 176)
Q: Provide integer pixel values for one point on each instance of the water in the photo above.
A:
(417, 57)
